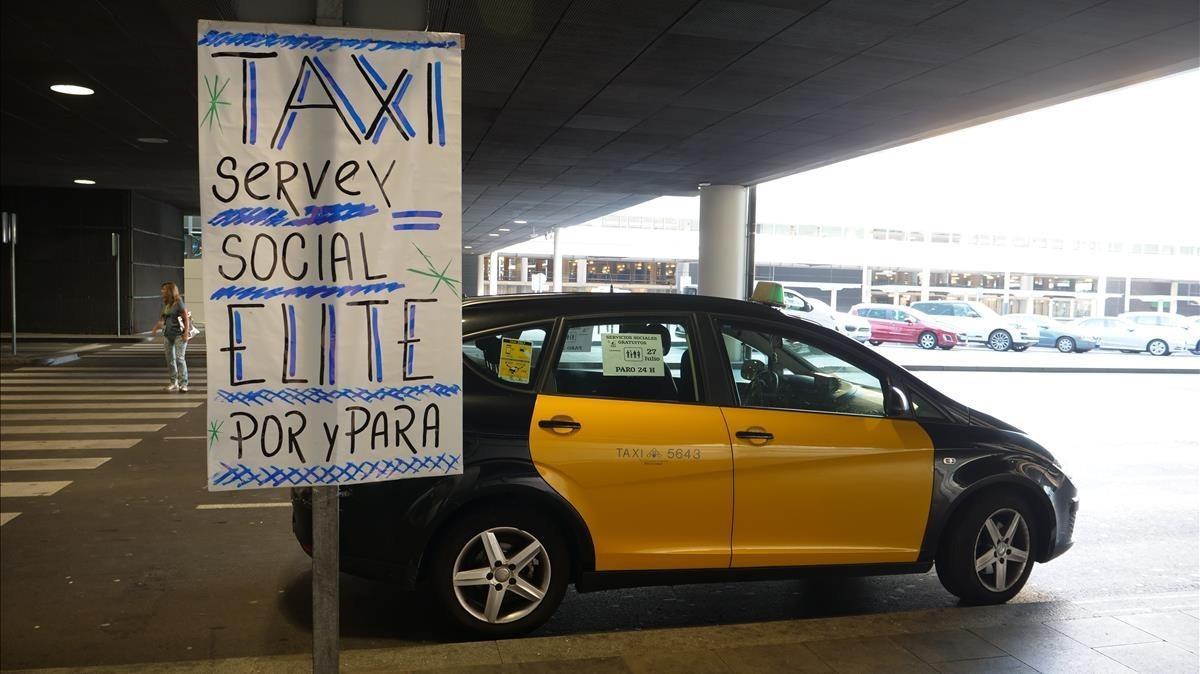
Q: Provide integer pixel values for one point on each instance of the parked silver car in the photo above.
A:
(1127, 336)
(1189, 325)
(981, 324)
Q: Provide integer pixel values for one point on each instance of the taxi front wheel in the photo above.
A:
(499, 572)
(987, 556)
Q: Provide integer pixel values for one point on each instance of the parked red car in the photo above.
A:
(890, 323)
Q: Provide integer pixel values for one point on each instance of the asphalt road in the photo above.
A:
(120, 566)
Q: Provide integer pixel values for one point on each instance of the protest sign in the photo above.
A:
(330, 192)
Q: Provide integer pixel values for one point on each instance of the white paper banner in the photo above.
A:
(330, 192)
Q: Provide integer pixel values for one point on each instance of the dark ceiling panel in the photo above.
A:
(573, 109)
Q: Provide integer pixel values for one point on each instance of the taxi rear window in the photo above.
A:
(510, 356)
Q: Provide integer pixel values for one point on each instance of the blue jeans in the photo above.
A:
(176, 364)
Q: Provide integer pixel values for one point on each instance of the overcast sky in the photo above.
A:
(1123, 160)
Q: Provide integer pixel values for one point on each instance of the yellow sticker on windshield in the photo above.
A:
(515, 359)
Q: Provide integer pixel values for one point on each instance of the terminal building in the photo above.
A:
(1062, 275)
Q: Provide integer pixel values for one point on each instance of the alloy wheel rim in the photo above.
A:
(1064, 344)
(1000, 341)
(1157, 348)
(501, 575)
(928, 341)
(1001, 550)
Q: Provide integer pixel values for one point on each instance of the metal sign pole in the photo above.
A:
(116, 253)
(325, 579)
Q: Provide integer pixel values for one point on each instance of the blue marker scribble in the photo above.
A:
(416, 214)
(241, 475)
(315, 395)
(217, 38)
(267, 216)
(237, 292)
(253, 102)
(340, 94)
(417, 225)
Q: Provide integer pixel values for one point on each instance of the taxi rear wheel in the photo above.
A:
(987, 555)
(499, 572)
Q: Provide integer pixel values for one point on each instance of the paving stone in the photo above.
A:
(1104, 631)
(868, 654)
(1004, 665)
(662, 661)
(774, 658)
(581, 666)
(1048, 650)
(1176, 627)
(1159, 657)
(947, 645)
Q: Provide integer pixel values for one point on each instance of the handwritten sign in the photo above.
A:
(630, 354)
(330, 188)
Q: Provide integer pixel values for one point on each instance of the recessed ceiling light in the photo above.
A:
(467, 247)
(493, 234)
(152, 140)
(521, 222)
(84, 181)
(71, 90)
(504, 229)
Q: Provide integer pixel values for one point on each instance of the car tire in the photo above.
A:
(999, 340)
(1158, 347)
(927, 340)
(970, 539)
(462, 549)
(1020, 348)
(1129, 351)
(875, 342)
(946, 347)
(1065, 344)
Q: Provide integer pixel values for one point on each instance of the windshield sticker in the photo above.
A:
(579, 340)
(515, 358)
(632, 355)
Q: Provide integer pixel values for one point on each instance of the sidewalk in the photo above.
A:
(980, 359)
(55, 349)
(1158, 633)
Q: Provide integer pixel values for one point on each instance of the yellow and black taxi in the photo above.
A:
(624, 440)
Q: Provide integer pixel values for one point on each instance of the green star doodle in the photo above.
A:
(214, 432)
(433, 273)
(215, 89)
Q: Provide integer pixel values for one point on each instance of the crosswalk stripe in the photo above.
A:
(89, 396)
(111, 380)
(89, 389)
(90, 416)
(77, 443)
(87, 463)
(31, 489)
(5, 518)
(15, 429)
(238, 506)
(101, 406)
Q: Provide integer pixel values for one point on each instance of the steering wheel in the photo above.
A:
(764, 382)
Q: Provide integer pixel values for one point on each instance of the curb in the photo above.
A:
(1051, 369)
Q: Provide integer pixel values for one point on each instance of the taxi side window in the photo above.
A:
(634, 358)
(781, 372)
(508, 356)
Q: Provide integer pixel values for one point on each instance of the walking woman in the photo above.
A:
(176, 325)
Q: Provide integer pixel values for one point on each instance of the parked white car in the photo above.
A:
(982, 325)
(1189, 325)
(1124, 335)
(809, 309)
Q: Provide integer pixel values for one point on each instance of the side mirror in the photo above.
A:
(898, 404)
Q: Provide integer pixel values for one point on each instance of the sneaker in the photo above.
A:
(183, 389)
(173, 387)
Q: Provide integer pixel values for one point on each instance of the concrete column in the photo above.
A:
(494, 276)
(1174, 296)
(557, 274)
(1101, 308)
(480, 273)
(833, 299)
(925, 281)
(723, 241)
(471, 266)
(866, 284)
(523, 266)
(1128, 291)
(1004, 298)
(581, 271)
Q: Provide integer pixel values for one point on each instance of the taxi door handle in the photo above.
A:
(755, 435)
(559, 424)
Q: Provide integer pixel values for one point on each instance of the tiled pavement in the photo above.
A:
(1155, 633)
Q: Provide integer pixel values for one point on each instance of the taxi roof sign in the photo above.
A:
(769, 293)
